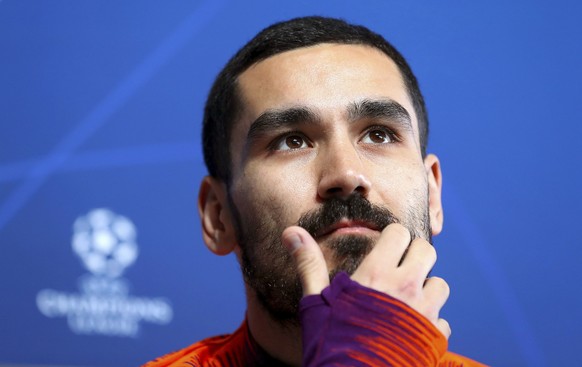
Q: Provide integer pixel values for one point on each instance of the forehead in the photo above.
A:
(325, 77)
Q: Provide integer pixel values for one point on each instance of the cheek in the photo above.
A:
(278, 196)
(400, 186)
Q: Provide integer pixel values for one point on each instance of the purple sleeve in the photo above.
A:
(352, 325)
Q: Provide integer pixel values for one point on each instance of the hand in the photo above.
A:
(384, 269)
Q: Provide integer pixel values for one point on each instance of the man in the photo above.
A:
(315, 139)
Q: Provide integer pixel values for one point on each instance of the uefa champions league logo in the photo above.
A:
(106, 243)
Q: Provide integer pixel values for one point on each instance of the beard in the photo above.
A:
(270, 271)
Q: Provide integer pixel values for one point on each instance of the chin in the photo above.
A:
(347, 252)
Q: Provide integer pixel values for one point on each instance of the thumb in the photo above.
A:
(310, 262)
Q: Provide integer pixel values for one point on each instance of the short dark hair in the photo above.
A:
(224, 100)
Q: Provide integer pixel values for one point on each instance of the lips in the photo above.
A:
(347, 224)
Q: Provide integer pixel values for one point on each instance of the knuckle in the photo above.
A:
(376, 278)
(425, 248)
(431, 251)
(371, 277)
(442, 285)
(409, 289)
(429, 311)
(445, 327)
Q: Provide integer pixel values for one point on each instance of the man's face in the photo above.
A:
(327, 139)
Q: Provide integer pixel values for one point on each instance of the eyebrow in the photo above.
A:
(386, 109)
(275, 119)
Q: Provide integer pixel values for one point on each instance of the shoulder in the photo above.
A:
(455, 360)
(203, 353)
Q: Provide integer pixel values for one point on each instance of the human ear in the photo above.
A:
(432, 167)
(217, 226)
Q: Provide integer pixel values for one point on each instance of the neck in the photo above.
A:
(282, 342)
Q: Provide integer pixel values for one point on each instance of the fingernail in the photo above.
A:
(293, 242)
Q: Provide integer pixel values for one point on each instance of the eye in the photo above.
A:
(378, 135)
(290, 142)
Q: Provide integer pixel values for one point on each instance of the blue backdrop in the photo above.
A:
(101, 258)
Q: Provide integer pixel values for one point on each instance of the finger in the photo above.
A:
(444, 327)
(385, 255)
(436, 292)
(420, 258)
(309, 259)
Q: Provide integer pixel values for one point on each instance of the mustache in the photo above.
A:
(355, 208)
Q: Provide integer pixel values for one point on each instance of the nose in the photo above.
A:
(342, 173)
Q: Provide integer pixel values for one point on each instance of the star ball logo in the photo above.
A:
(106, 244)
